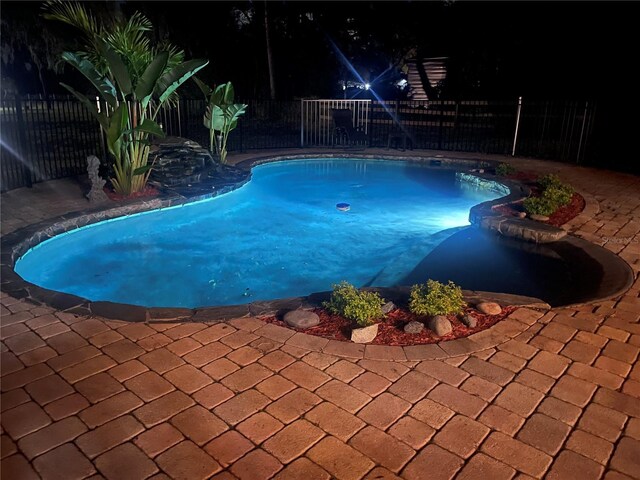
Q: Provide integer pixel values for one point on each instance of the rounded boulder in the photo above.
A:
(302, 319)
(440, 325)
(489, 308)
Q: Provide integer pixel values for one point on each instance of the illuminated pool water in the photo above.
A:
(278, 236)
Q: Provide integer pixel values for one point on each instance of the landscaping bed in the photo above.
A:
(564, 211)
(390, 329)
(149, 191)
(558, 218)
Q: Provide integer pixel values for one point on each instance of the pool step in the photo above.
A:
(523, 229)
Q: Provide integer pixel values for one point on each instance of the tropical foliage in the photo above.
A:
(133, 77)
(221, 116)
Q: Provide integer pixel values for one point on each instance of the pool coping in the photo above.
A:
(15, 244)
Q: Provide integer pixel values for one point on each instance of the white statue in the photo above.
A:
(96, 194)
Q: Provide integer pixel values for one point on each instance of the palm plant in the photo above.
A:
(221, 116)
(134, 78)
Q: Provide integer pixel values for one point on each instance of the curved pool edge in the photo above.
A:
(15, 244)
(616, 270)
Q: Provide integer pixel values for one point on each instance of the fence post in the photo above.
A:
(179, 120)
(584, 121)
(301, 123)
(515, 135)
(440, 127)
(22, 156)
(100, 132)
(369, 131)
(242, 137)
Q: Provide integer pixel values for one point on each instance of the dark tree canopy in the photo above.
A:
(494, 49)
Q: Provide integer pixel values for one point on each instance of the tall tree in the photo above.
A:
(28, 45)
(272, 80)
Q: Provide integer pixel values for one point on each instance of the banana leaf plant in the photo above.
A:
(134, 79)
(221, 115)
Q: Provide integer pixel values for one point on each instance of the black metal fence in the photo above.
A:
(467, 126)
(266, 124)
(44, 139)
(557, 130)
(548, 130)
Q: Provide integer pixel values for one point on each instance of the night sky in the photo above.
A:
(496, 49)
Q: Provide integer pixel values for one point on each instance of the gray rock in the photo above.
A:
(365, 334)
(469, 321)
(440, 325)
(414, 327)
(539, 218)
(489, 308)
(388, 307)
(177, 161)
(301, 319)
(523, 228)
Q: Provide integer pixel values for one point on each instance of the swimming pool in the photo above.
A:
(278, 236)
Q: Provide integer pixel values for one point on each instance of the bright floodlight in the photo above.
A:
(367, 86)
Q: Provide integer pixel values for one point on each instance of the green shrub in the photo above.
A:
(539, 206)
(554, 195)
(550, 180)
(505, 169)
(560, 195)
(435, 298)
(355, 305)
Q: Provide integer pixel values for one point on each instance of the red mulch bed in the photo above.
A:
(390, 330)
(567, 212)
(148, 192)
(559, 217)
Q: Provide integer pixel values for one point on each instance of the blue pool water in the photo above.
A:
(278, 236)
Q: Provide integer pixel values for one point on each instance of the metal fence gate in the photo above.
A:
(316, 122)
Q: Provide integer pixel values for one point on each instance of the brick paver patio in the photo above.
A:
(85, 397)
